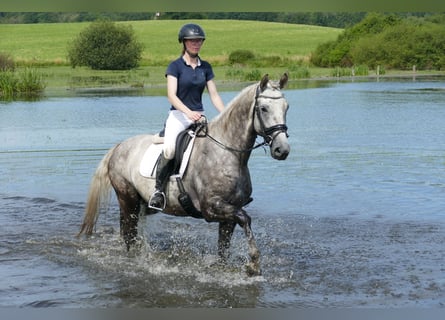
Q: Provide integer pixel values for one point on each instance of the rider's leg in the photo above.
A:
(176, 122)
(163, 172)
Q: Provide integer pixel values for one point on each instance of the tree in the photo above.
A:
(104, 45)
(338, 52)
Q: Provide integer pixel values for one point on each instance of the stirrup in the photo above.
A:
(164, 202)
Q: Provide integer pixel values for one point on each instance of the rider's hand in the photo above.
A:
(193, 115)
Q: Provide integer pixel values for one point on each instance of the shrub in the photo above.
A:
(241, 56)
(105, 45)
(337, 52)
(387, 41)
(403, 46)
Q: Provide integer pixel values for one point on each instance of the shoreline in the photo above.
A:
(226, 85)
(64, 83)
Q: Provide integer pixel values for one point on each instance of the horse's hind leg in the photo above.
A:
(225, 235)
(130, 204)
(243, 219)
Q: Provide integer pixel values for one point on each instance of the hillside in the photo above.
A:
(46, 43)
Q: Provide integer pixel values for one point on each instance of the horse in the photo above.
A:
(217, 178)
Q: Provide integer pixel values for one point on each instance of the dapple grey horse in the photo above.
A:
(217, 179)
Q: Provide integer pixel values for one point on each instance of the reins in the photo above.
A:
(269, 133)
(202, 127)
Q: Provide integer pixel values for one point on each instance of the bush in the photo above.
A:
(337, 53)
(386, 41)
(403, 46)
(105, 45)
(241, 56)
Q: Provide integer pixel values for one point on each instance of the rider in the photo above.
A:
(187, 77)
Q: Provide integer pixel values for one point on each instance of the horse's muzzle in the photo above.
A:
(280, 148)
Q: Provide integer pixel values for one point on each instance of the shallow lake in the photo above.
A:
(354, 217)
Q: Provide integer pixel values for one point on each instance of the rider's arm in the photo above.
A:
(172, 87)
(214, 96)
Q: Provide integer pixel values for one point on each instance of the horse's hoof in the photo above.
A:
(253, 270)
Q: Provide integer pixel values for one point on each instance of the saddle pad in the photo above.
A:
(149, 160)
(148, 163)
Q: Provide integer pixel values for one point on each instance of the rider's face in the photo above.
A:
(193, 45)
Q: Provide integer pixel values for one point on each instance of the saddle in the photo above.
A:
(182, 142)
(184, 145)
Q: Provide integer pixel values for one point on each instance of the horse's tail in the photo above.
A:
(98, 196)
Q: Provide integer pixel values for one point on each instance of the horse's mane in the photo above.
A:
(243, 99)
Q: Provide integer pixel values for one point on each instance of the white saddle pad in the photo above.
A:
(147, 167)
(148, 163)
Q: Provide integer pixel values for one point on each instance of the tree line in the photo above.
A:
(389, 41)
(327, 19)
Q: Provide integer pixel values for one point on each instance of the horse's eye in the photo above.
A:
(264, 109)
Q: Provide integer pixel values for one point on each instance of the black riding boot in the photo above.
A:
(158, 199)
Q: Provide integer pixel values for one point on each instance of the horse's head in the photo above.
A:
(270, 116)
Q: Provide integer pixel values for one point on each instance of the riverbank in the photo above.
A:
(66, 81)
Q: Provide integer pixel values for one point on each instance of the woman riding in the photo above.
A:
(187, 77)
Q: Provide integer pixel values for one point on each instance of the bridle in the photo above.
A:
(268, 133)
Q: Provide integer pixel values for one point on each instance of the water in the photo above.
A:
(353, 218)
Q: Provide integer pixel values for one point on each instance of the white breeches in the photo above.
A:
(177, 121)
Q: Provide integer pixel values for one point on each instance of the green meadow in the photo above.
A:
(47, 43)
(44, 46)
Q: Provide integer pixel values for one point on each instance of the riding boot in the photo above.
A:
(158, 199)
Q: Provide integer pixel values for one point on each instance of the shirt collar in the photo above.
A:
(199, 61)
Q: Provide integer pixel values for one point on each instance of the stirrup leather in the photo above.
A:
(164, 201)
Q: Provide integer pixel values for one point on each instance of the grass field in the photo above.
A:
(47, 43)
(44, 46)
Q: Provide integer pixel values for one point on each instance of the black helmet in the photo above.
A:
(191, 31)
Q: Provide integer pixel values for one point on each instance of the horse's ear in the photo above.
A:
(263, 82)
(283, 80)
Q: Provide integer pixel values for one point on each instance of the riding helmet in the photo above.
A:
(191, 31)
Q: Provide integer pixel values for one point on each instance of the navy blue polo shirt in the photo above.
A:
(191, 82)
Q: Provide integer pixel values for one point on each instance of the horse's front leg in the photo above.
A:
(228, 217)
(243, 219)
